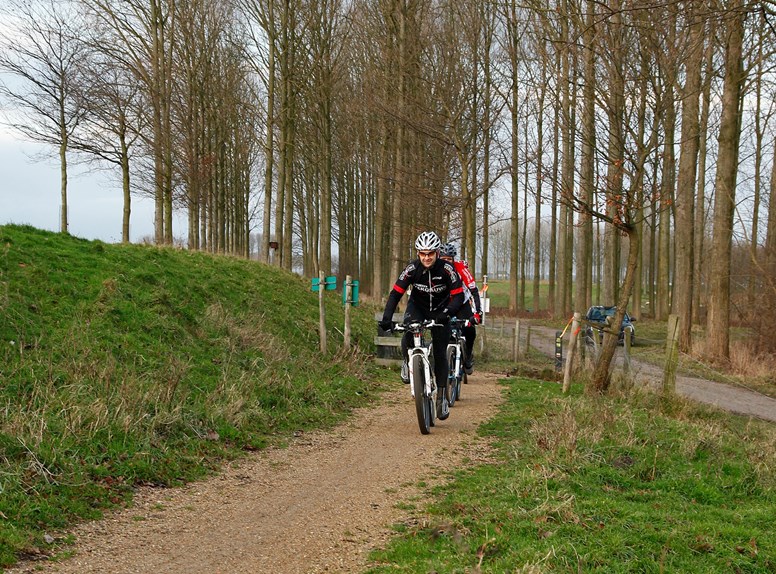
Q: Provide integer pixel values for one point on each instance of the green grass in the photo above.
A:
(127, 365)
(611, 485)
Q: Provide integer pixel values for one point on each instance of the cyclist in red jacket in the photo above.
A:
(436, 294)
(472, 308)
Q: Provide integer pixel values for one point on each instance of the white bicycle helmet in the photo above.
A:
(448, 250)
(428, 241)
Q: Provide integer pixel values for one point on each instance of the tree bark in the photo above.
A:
(718, 325)
(685, 188)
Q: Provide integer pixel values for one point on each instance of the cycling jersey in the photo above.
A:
(471, 294)
(435, 289)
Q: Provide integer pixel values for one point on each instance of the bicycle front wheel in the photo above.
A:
(422, 402)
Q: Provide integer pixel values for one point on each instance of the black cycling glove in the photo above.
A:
(442, 317)
(386, 324)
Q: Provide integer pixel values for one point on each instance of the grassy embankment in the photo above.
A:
(127, 365)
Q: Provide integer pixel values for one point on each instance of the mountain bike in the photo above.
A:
(456, 355)
(421, 370)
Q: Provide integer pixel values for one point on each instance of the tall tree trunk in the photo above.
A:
(63, 219)
(566, 174)
(584, 275)
(681, 300)
(537, 238)
(488, 139)
(615, 152)
(552, 271)
(664, 206)
(699, 253)
(601, 374)
(765, 336)
(754, 283)
(269, 136)
(514, 268)
(380, 239)
(718, 325)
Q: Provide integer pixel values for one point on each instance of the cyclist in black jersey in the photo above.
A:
(437, 293)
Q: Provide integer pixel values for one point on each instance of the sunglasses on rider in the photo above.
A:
(426, 253)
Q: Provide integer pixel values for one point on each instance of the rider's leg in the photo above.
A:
(470, 333)
(441, 337)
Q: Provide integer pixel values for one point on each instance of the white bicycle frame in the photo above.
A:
(423, 351)
(453, 373)
(420, 349)
(458, 345)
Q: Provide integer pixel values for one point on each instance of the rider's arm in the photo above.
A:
(399, 288)
(468, 280)
(477, 305)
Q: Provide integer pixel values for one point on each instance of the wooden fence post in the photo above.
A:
(626, 345)
(516, 341)
(572, 352)
(528, 339)
(672, 355)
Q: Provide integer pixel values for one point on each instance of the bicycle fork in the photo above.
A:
(453, 374)
(428, 390)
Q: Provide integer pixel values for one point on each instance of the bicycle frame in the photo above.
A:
(458, 343)
(421, 348)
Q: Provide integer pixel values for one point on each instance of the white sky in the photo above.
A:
(30, 194)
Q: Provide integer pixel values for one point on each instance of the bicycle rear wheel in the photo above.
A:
(452, 386)
(422, 402)
(460, 376)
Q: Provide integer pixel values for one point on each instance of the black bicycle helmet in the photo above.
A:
(428, 241)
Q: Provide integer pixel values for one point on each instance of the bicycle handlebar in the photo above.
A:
(429, 323)
(424, 324)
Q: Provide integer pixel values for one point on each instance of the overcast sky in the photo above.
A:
(30, 193)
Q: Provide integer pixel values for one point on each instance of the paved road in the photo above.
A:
(733, 398)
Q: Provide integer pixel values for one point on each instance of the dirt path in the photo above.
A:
(318, 506)
(732, 398)
(322, 504)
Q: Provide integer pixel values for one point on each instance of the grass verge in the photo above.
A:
(590, 484)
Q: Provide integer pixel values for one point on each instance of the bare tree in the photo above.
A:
(718, 324)
(685, 190)
(112, 125)
(44, 55)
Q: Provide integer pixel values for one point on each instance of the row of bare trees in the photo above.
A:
(335, 131)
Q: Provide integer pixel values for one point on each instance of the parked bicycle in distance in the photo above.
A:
(421, 371)
(456, 356)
